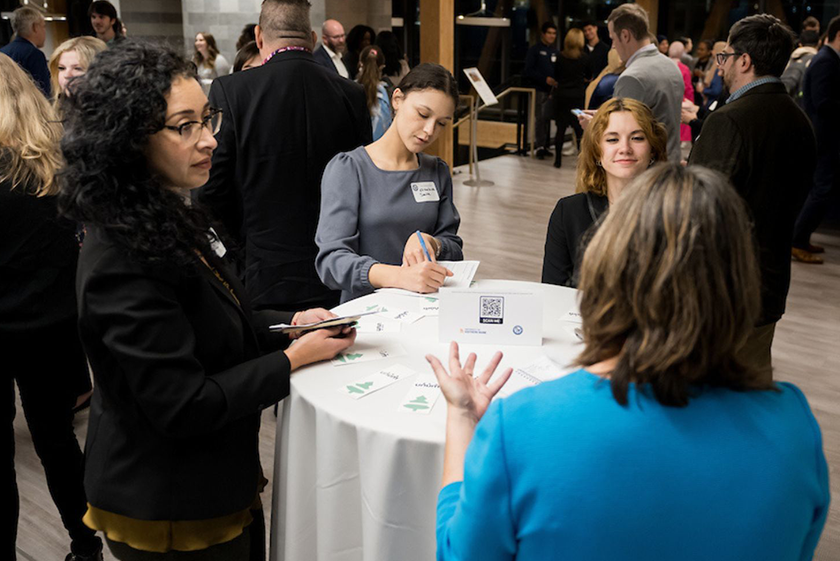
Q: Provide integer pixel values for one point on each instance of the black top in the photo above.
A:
(572, 218)
(571, 75)
(539, 65)
(821, 99)
(38, 257)
(598, 57)
(283, 122)
(765, 144)
(180, 384)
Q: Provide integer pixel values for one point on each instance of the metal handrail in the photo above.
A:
(532, 107)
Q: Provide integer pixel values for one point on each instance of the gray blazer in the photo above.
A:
(656, 81)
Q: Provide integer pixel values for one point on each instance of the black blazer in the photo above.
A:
(180, 384)
(571, 75)
(572, 218)
(765, 144)
(282, 124)
(38, 254)
(821, 99)
(321, 57)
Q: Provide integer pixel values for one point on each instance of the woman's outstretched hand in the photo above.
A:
(464, 392)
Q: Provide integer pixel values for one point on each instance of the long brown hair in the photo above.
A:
(212, 51)
(29, 133)
(371, 63)
(670, 285)
(591, 177)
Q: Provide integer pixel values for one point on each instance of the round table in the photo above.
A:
(359, 479)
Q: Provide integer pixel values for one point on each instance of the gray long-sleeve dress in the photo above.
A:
(367, 215)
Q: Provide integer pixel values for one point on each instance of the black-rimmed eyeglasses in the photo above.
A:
(191, 130)
(720, 58)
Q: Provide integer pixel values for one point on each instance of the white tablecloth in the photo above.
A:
(358, 479)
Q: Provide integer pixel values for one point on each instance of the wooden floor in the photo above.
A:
(504, 227)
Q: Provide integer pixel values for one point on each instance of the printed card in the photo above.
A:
(374, 382)
(402, 316)
(361, 352)
(422, 396)
(378, 325)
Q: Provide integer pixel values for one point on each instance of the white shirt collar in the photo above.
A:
(646, 49)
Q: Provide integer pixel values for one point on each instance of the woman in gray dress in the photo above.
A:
(379, 201)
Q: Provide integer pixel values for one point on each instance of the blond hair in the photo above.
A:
(29, 133)
(85, 47)
(670, 285)
(591, 176)
(573, 43)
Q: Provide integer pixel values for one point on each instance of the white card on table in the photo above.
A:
(377, 381)
(464, 273)
(518, 380)
(422, 396)
(402, 316)
(378, 325)
(366, 351)
(498, 317)
(572, 315)
(424, 192)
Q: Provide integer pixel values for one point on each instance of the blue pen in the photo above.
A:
(423, 245)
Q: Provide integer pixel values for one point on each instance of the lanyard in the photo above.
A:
(283, 50)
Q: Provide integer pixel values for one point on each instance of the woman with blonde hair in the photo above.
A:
(601, 88)
(622, 141)
(38, 337)
(210, 62)
(664, 444)
(371, 63)
(71, 59)
(571, 70)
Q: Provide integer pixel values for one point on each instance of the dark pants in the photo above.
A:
(826, 178)
(47, 366)
(250, 546)
(544, 113)
(563, 114)
(756, 350)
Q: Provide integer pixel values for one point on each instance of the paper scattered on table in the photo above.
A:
(332, 322)
(403, 316)
(375, 324)
(464, 271)
(366, 352)
(540, 370)
(422, 396)
(377, 381)
(572, 315)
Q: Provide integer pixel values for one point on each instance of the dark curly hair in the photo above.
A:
(115, 107)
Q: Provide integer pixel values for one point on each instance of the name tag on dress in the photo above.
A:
(424, 192)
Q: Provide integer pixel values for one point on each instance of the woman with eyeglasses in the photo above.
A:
(183, 367)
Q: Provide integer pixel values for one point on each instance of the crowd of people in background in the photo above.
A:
(160, 213)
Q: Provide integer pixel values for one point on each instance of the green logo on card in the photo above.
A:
(417, 404)
(364, 387)
(348, 357)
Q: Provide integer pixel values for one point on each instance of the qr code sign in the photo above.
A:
(492, 309)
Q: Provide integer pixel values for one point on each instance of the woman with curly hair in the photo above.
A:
(38, 305)
(71, 59)
(183, 366)
(622, 141)
(210, 62)
(665, 444)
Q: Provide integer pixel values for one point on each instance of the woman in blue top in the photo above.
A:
(376, 198)
(665, 445)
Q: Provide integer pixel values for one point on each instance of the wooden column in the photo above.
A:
(437, 44)
(652, 8)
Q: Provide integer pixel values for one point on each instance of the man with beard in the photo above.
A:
(764, 143)
(333, 45)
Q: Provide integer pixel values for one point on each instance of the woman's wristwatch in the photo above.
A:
(437, 246)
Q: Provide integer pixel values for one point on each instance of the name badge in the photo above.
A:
(501, 317)
(424, 192)
(553, 58)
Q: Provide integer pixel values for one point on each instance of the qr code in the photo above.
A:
(492, 309)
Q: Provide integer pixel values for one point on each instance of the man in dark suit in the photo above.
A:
(333, 46)
(764, 143)
(283, 122)
(821, 99)
(31, 30)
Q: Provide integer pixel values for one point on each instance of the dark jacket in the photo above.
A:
(764, 143)
(571, 75)
(282, 124)
(321, 57)
(572, 218)
(821, 99)
(38, 257)
(180, 384)
(539, 65)
(30, 58)
(598, 57)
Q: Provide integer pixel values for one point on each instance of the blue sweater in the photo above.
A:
(31, 59)
(562, 471)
